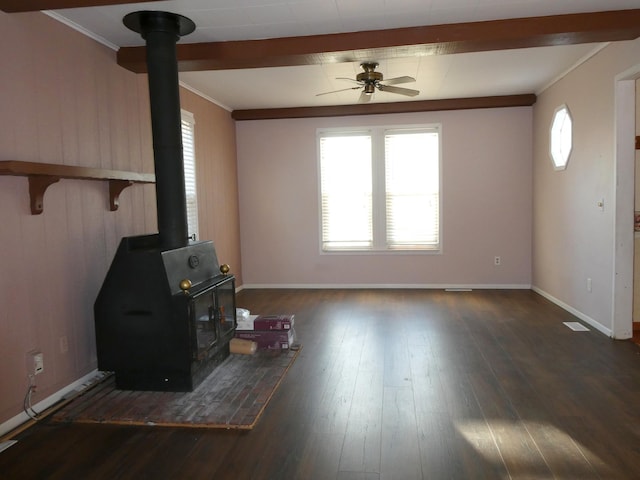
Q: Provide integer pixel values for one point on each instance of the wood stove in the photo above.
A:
(164, 318)
(165, 314)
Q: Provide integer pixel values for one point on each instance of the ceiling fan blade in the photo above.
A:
(402, 91)
(336, 91)
(364, 97)
(349, 79)
(397, 80)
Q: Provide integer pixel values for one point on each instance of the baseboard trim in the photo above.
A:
(73, 388)
(333, 286)
(587, 319)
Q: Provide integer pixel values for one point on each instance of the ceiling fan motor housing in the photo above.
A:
(369, 76)
(370, 80)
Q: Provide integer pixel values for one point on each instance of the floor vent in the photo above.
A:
(576, 326)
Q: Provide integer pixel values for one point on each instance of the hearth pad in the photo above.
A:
(233, 396)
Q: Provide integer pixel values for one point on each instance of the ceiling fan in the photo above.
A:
(370, 80)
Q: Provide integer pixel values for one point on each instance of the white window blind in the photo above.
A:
(380, 190)
(345, 172)
(412, 184)
(189, 155)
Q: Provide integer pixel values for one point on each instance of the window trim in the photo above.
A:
(378, 133)
(560, 166)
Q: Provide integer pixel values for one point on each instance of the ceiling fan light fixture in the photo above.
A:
(370, 80)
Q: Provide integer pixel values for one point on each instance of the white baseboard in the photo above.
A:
(587, 319)
(41, 406)
(333, 286)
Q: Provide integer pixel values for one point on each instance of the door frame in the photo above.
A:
(624, 126)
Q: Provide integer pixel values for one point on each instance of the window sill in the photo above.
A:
(382, 252)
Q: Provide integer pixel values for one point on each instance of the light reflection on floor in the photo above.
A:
(533, 449)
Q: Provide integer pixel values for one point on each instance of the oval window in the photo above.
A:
(561, 137)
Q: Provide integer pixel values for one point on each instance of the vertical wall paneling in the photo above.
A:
(217, 178)
(19, 98)
(66, 102)
(146, 156)
(64, 99)
(16, 312)
(55, 125)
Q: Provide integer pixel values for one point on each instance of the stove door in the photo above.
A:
(225, 301)
(203, 316)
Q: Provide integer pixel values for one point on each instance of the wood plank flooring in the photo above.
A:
(395, 384)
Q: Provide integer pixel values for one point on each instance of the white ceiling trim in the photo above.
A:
(114, 47)
(589, 55)
(81, 29)
(205, 96)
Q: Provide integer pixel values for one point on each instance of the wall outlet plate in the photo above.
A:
(35, 363)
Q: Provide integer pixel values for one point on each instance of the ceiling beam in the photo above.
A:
(378, 45)
(14, 6)
(525, 100)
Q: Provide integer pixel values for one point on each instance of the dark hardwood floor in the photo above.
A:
(395, 384)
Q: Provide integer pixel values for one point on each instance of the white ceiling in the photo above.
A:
(437, 77)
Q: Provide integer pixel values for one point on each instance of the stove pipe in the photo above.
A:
(161, 31)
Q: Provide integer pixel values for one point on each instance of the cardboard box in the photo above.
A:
(266, 322)
(269, 339)
(273, 322)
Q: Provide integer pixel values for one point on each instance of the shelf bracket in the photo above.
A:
(38, 184)
(41, 175)
(115, 189)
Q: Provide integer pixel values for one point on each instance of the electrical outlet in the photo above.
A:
(64, 344)
(497, 261)
(35, 363)
(589, 285)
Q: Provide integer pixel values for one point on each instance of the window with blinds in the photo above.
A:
(380, 189)
(346, 203)
(189, 156)
(412, 189)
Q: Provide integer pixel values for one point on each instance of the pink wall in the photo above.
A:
(217, 179)
(64, 100)
(486, 205)
(573, 237)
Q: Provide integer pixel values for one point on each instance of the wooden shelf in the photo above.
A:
(42, 175)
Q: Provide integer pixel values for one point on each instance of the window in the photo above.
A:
(189, 156)
(561, 137)
(380, 189)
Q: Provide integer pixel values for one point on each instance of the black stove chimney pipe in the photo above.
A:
(161, 31)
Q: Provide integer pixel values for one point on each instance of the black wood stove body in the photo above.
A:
(164, 318)
(165, 314)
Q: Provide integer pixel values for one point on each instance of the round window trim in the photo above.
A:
(561, 137)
